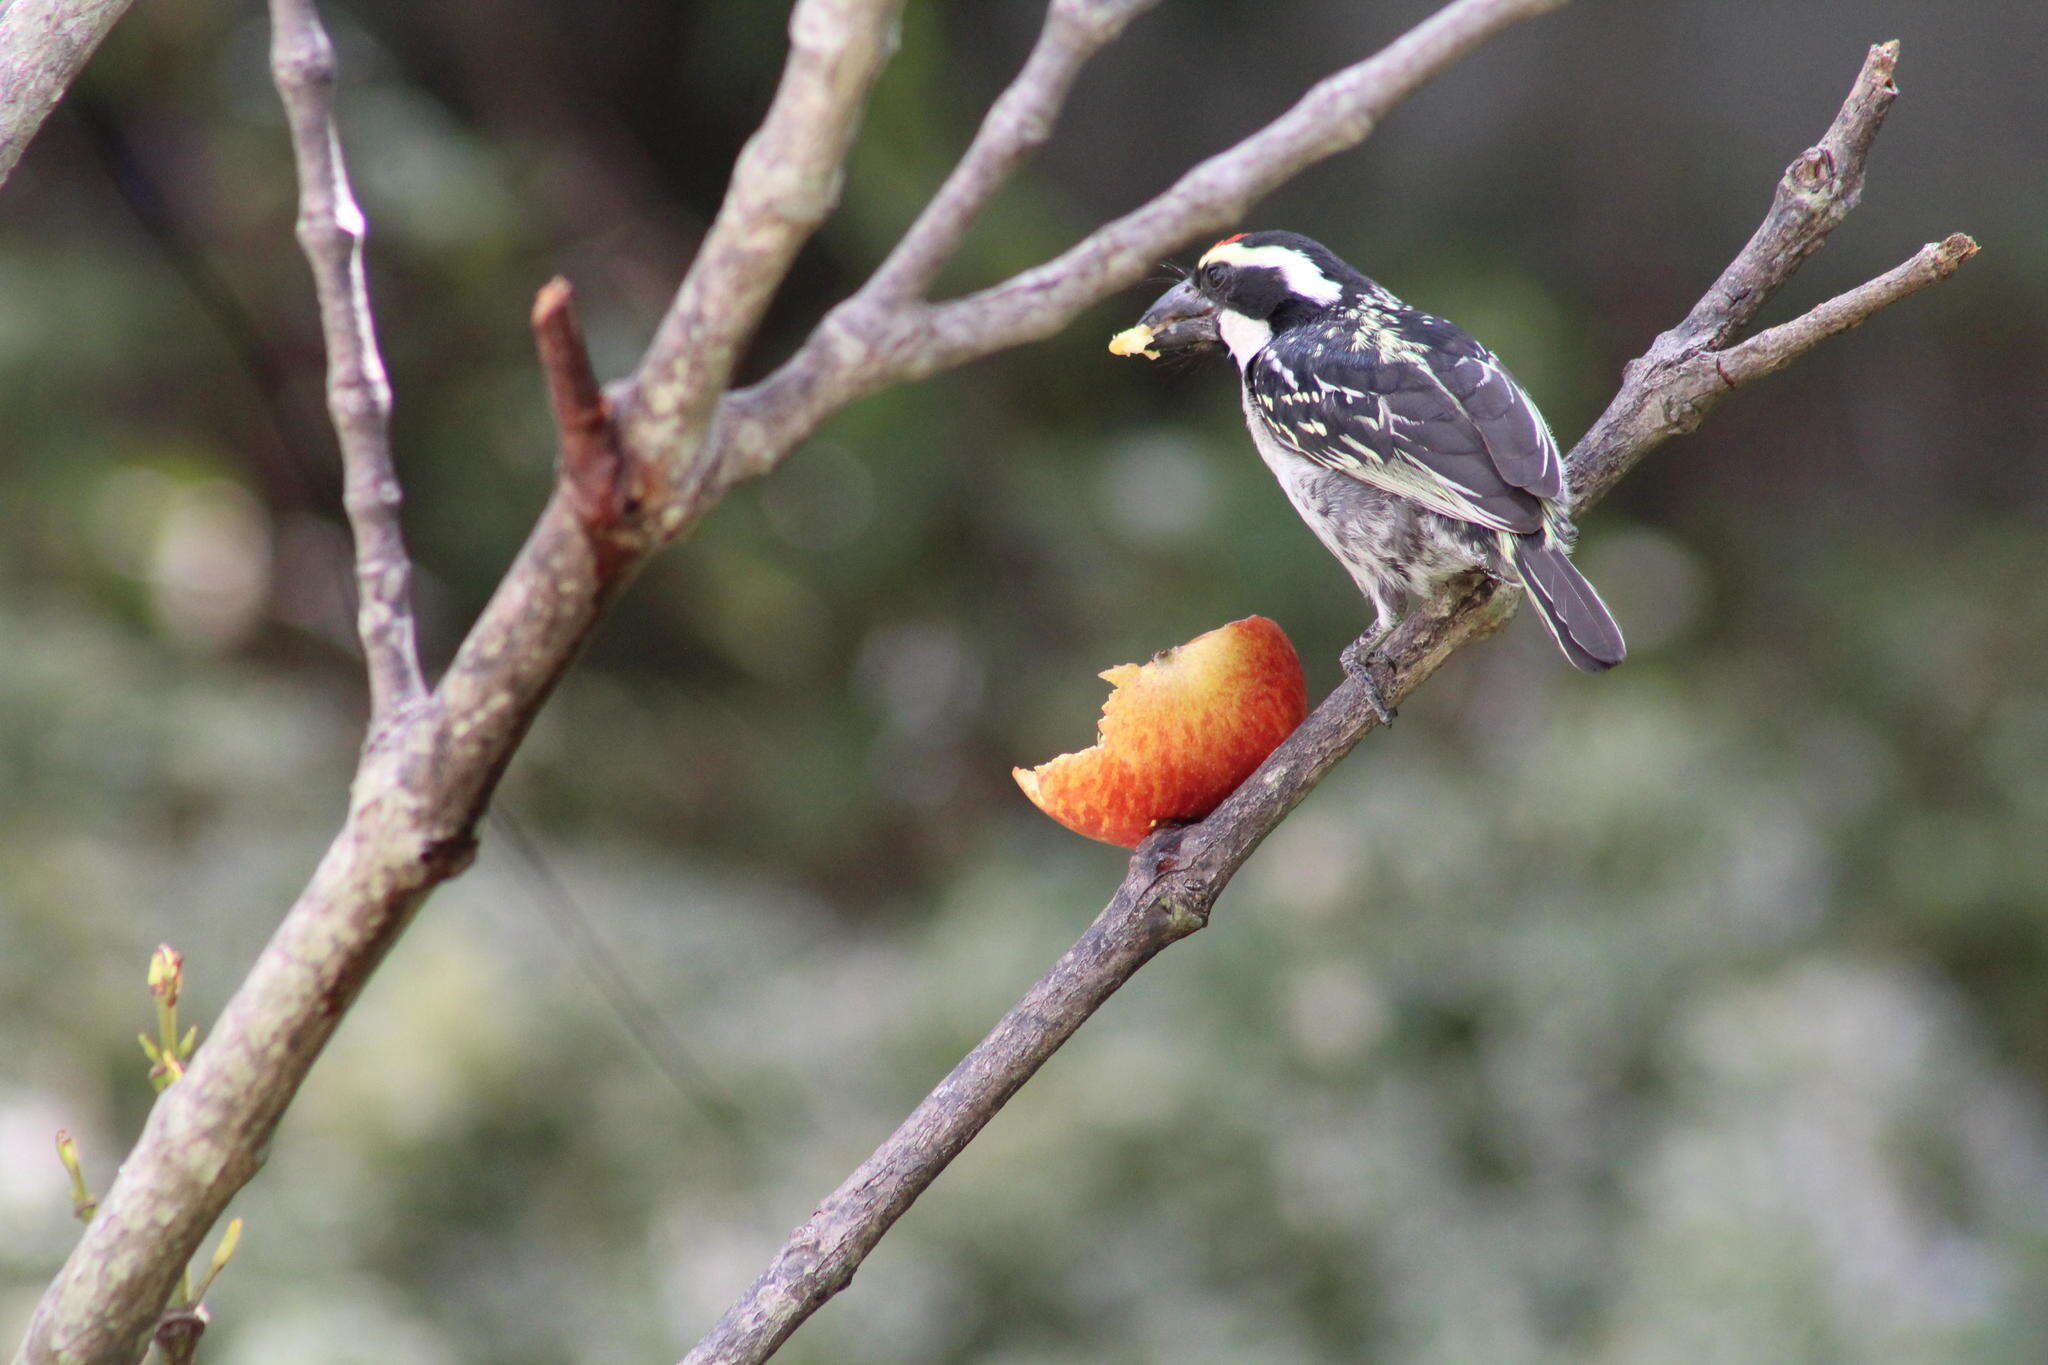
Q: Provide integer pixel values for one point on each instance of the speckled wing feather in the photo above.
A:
(1411, 404)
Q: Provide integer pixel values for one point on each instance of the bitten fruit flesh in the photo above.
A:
(1134, 341)
(1177, 735)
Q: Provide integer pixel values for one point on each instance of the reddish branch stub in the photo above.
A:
(610, 492)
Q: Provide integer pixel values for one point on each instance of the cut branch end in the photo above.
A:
(590, 464)
(1953, 250)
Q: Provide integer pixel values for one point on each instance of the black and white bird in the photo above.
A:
(1405, 445)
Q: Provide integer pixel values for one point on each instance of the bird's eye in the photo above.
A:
(1212, 275)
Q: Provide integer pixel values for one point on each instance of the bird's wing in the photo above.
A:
(1422, 410)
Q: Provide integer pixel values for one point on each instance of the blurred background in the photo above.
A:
(1697, 1011)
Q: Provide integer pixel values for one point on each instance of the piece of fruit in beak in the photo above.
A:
(1134, 341)
(1181, 319)
(1177, 735)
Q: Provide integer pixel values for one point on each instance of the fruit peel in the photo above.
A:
(1177, 734)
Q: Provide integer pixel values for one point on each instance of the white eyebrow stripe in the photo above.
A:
(1302, 274)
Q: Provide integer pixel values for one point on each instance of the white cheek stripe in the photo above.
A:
(1245, 337)
(1302, 275)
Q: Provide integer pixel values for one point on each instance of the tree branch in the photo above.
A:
(1815, 194)
(1770, 351)
(331, 229)
(1177, 874)
(842, 359)
(44, 44)
(859, 349)
(785, 183)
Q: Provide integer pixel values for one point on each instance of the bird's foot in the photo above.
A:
(1360, 659)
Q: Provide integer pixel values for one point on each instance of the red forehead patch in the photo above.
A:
(1228, 240)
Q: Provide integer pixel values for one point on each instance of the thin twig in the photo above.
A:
(1770, 351)
(44, 44)
(761, 425)
(331, 228)
(1336, 114)
(1176, 876)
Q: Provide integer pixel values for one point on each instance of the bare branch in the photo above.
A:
(44, 44)
(858, 351)
(1019, 122)
(820, 1257)
(331, 229)
(1816, 192)
(1335, 115)
(1771, 351)
(786, 181)
(1176, 875)
(206, 1135)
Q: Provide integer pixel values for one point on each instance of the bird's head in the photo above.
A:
(1243, 290)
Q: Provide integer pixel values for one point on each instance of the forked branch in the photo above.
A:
(878, 338)
(1815, 194)
(1770, 351)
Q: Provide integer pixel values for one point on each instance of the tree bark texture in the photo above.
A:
(44, 44)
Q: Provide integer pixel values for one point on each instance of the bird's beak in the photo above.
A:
(1182, 320)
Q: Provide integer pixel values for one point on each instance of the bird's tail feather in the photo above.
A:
(1576, 617)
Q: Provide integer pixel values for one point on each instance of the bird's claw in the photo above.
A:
(1359, 658)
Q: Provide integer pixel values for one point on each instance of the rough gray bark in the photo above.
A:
(625, 487)
(1176, 876)
(44, 44)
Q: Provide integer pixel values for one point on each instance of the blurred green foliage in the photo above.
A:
(1699, 1011)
